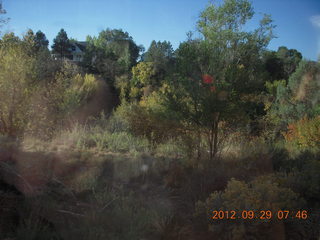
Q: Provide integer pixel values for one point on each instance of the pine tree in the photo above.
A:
(61, 44)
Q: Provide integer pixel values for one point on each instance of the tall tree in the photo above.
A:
(41, 40)
(273, 66)
(16, 81)
(61, 44)
(300, 97)
(216, 72)
(28, 41)
(161, 54)
(290, 60)
(112, 53)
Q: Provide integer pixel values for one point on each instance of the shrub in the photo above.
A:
(304, 134)
(262, 194)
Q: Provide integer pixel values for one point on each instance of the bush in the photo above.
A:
(96, 137)
(304, 134)
(262, 194)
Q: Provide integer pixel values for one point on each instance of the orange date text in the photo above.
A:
(261, 214)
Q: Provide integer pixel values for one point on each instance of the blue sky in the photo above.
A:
(298, 21)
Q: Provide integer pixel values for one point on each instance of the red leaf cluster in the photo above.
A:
(207, 79)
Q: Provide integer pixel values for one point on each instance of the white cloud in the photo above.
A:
(315, 20)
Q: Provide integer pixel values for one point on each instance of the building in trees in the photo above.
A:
(77, 51)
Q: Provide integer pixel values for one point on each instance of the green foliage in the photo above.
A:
(222, 27)
(146, 120)
(213, 74)
(161, 54)
(41, 40)
(105, 137)
(35, 94)
(61, 44)
(17, 84)
(58, 100)
(143, 80)
(300, 97)
(143, 72)
(273, 86)
(74, 90)
(273, 65)
(112, 54)
(281, 64)
(290, 59)
(132, 174)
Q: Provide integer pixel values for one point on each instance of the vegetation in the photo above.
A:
(219, 124)
(61, 44)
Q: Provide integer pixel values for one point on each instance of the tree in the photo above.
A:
(16, 85)
(299, 98)
(61, 44)
(41, 40)
(112, 54)
(290, 59)
(36, 96)
(159, 52)
(217, 71)
(2, 20)
(273, 66)
(8, 39)
(161, 56)
(29, 42)
(282, 63)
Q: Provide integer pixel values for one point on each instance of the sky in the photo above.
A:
(298, 21)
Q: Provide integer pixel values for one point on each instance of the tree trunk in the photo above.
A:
(213, 137)
(199, 144)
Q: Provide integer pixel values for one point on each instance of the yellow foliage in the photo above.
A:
(16, 87)
(143, 72)
(304, 133)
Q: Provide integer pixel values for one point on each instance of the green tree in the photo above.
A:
(282, 63)
(300, 97)
(37, 96)
(216, 72)
(161, 54)
(16, 85)
(41, 40)
(8, 39)
(29, 41)
(112, 54)
(273, 66)
(290, 59)
(61, 44)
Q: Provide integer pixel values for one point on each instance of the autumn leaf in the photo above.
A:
(207, 79)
